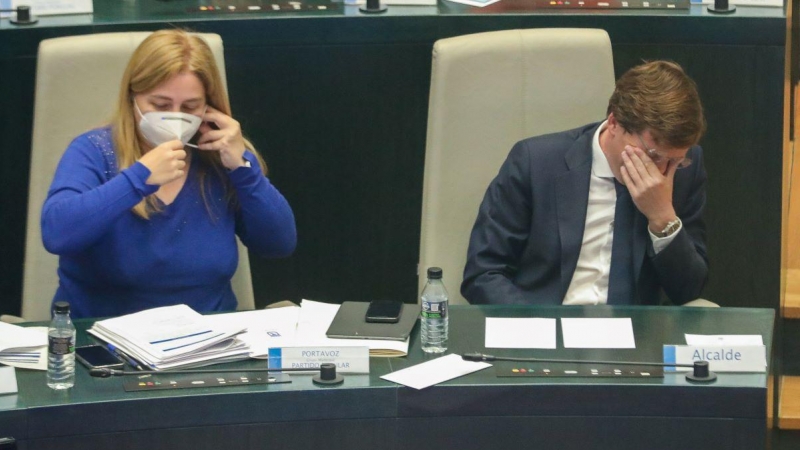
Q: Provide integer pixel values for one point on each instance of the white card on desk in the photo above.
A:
(435, 371)
(598, 333)
(524, 332)
(8, 380)
(478, 3)
(395, 2)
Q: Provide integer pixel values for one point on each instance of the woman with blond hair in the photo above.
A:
(144, 212)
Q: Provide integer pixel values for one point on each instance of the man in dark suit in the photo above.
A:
(609, 213)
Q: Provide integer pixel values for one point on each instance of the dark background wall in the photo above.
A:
(338, 107)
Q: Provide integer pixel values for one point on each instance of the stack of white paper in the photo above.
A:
(173, 337)
(266, 328)
(23, 347)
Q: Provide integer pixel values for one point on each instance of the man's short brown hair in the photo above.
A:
(660, 97)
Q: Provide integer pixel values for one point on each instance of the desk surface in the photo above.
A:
(476, 409)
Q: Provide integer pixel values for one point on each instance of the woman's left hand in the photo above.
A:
(227, 140)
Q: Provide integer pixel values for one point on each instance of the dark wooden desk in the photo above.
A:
(477, 411)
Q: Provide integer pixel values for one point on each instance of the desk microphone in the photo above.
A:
(700, 372)
(326, 376)
(721, 7)
(23, 15)
(373, 7)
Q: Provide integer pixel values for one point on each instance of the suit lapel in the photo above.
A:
(572, 197)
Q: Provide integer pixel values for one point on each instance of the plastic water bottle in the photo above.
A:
(434, 315)
(61, 349)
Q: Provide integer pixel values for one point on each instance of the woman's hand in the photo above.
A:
(227, 139)
(166, 162)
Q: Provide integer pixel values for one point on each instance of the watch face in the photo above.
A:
(671, 228)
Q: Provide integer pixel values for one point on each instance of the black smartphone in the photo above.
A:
(384, 311)
(98, 357)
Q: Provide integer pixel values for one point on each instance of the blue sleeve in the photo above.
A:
(82, 203)
(264, 221)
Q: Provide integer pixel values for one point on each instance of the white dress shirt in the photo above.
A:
(589, 285)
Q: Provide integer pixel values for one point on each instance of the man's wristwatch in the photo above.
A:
(671, 228)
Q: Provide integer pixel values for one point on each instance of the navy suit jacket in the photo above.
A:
(527, 238)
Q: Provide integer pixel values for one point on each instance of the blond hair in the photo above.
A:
(161, 56)
(660, 97)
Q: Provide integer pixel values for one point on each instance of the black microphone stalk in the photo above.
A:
(327, 372)
(700, 371)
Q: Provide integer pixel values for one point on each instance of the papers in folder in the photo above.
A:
(266, 328)
(173, 337)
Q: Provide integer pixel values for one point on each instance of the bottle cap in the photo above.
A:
(434, 273)
(61, 307)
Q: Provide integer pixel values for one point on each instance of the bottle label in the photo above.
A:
(60, 345)
(432, 310)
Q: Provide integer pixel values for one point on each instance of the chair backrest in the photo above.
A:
(488, 91)
(77, 83)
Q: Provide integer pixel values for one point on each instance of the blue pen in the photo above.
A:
(133, 363)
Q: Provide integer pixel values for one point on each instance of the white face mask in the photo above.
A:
(161, 126)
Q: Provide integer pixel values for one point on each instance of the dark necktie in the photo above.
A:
(620, 279)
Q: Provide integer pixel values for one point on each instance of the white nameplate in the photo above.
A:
(773, 3)
(730, 358)
(8, 380)
(347, 359)
(50, 7)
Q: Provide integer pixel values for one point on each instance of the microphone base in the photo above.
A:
(317, 379)
(24, 22)
(729, 10)
(380, 9)
(712, 377)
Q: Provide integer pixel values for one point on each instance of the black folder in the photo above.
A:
(350, 323)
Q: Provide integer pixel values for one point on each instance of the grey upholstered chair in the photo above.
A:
(77, 82)
(488, 91)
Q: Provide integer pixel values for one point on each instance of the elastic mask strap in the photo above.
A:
(136, 105)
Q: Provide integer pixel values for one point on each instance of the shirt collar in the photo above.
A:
(600, 166)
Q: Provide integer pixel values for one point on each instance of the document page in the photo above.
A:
(23, 347)
(598, 333)
(265, 328)
(520, 333)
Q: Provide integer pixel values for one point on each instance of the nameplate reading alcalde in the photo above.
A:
(347, 359)
(732, 358)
